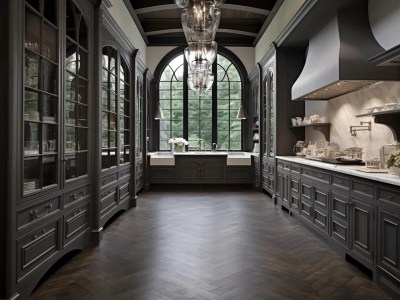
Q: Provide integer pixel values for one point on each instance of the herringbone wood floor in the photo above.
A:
(207, 244)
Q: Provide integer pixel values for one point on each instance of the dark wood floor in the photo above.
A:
(207, 244)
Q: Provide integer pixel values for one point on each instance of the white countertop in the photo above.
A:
(345, 169)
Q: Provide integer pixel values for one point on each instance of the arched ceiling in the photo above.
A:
(242, 21)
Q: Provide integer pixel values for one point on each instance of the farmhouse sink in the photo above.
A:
(162, 159)
(232, 158)
(238, 159)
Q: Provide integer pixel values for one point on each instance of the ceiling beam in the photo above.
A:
(178, 30)
(251, 26)
(243, 8)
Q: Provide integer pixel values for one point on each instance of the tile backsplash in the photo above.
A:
(342, 111)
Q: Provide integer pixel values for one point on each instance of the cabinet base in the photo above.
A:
(97, 235)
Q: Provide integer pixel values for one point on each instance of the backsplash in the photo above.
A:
(342, 111)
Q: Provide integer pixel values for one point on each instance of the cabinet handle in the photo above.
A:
(321, 226)
(35, 214)
(77, 212)
(75, 196)
(390, 197)
(340, 181)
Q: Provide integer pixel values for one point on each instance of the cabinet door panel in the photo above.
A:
(389, 241)
(321, 219)
(211, 174)
(362, 229)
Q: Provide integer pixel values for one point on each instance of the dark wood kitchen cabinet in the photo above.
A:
(49, 87)
(66, 123)
(280, 68)
(140, 105)
(200, 169)
(357, 217)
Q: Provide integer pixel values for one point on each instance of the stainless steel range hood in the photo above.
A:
(337, 58)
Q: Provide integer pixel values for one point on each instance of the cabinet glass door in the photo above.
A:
(124, 116)
(109, 107)
(41, 96)
(76, 94)
(269, 120)
(139, 113)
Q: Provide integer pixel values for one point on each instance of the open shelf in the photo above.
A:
(324, 128)
(390, 118)
(312, 125)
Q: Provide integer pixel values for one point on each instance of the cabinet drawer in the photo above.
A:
(124, 190)
(76, 195)
(321, 219)
(37, 247)
(388, 195)
(286, 166)
(305, 209)
(75, 222)
(321, 198)
(238, 174)
(124, 173)
(295, 184)
(271, 169)
(363, 188)
(162, 174)
(322, 176)
(108, 179)
(340, 206)
(108, 201)
(294, 202)
(296, 168)
(340, 231)
(340, 182)
(306, 191)
(31, 214)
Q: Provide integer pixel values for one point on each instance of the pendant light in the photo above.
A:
(242, 114)
(158, 113)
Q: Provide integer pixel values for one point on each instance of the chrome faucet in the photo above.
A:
(214, 147)
(200, 142)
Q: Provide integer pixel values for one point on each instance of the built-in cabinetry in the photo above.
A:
(67, 126)
(356, 216)
(280, 68)
(115, 186)
(49, 203)
(140, 93)
(200, 169)
(256, 134)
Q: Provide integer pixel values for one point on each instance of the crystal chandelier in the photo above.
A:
(200, 21)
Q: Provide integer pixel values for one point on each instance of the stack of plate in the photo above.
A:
(29, 185)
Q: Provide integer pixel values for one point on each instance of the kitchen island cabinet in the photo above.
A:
(202, 168)
(356, 213)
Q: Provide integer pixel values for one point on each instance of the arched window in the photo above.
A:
(202, 119)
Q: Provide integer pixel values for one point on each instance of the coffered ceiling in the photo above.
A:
(242, 21)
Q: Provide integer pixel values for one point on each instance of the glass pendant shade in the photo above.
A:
(186, 3)
(201, 55)
(158, 113)
(241, 115)
(200, 81)
(182, 3)
(202, 29)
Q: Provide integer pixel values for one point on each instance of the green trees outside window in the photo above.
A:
(206, 118)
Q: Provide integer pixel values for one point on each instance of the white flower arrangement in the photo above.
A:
(178, 141)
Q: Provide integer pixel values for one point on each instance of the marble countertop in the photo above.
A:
(345, 169)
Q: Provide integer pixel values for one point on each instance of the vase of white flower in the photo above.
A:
(393, 163)
(178, 144)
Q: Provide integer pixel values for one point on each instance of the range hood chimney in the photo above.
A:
(337, 58)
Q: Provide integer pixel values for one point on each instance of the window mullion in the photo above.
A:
(214, 126)
(185, 101)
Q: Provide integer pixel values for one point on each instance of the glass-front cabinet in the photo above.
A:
(41, 97)
(76, 106)
(139, 125)
(115, 115)
(268, 127)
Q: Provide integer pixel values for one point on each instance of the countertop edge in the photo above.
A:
(344, 169)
